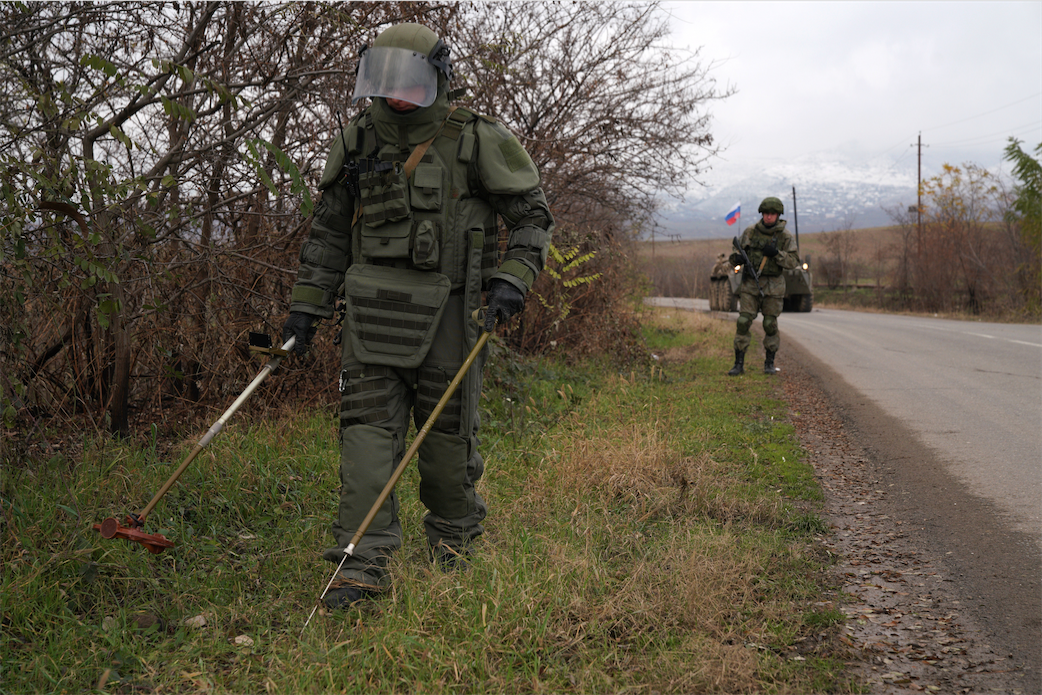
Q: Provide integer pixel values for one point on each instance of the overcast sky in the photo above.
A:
(863, 79)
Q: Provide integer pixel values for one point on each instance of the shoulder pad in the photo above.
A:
(467, 114)
(503, 163)
(334, 162)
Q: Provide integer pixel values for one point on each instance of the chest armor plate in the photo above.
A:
(756, 243)
(429, 221)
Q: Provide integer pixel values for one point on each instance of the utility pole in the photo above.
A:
(919, 200)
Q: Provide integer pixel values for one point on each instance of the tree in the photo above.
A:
(961, 261)
(157, 162)
(614, 120)
(840, 248)
(182, 138)
(1026, 213)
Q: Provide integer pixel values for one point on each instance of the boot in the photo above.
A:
(768, 364)
(346, 597)
(345, 593)
(739, 363)
(450, 559)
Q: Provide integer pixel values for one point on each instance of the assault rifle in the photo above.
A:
(747, 265)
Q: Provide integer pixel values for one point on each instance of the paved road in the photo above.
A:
(971, 391)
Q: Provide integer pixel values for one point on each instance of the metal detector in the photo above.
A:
(156, 542)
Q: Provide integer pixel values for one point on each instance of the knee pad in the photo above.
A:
(745, 322)
(446, 487)
(770, 325)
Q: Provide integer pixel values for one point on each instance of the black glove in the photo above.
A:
(770, 250)
(504, 300)
(735, 259)
(302, 327)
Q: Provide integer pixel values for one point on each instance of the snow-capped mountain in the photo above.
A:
(830, 194)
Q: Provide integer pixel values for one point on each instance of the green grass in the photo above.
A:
(651, 530)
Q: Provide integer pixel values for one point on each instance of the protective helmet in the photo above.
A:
(772, 205)
(403, 63)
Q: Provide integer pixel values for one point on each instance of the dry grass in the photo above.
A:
(641, 538)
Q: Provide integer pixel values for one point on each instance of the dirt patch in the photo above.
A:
(941, 597)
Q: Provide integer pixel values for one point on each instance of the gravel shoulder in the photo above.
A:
(941, 595)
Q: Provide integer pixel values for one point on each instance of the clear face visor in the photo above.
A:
(396, 73)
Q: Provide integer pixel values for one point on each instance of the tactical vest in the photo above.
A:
(418, 232)
(427, 218)
(757, 241)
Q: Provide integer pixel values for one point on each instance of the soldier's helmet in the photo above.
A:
(408, 62)
(772, 205)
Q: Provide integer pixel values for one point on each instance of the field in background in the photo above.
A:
(682, 268)
(868, 242)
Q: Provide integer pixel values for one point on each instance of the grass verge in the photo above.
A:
(648, 532)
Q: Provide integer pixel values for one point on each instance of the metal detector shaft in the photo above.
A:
(217, 427)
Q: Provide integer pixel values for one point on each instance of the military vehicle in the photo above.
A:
(724, 280)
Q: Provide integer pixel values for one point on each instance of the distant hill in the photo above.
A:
(829, 195)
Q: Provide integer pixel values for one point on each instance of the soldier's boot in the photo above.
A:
(347, 596)
(768, 363)
(450, 559)
(739, 363)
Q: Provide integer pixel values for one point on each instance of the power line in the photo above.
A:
(970, 118)
(1036, 124)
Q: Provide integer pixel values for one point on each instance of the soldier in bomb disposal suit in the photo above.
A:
(412, 193)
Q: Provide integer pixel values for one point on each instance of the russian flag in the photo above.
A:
(733, 214)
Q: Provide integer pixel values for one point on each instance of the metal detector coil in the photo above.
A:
(155, 542)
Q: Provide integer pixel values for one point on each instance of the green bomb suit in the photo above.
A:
(413, 249)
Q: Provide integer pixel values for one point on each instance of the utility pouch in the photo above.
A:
(393, 313)
(387, 241)
(426, 187)
(384, 195)
(425, 245)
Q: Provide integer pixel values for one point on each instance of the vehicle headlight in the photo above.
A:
(737, 269)
(806, 267)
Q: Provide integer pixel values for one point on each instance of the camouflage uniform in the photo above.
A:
(754, 240)
(413, 240)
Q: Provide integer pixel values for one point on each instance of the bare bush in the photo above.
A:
(613, 121)
(156, 159)
(957, 254)
(156, 163)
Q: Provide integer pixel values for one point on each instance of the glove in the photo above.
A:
(770, 250)
(735, 259)
(504, 301)
(302, 327)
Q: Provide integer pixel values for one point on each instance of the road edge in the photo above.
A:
(996, 571)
